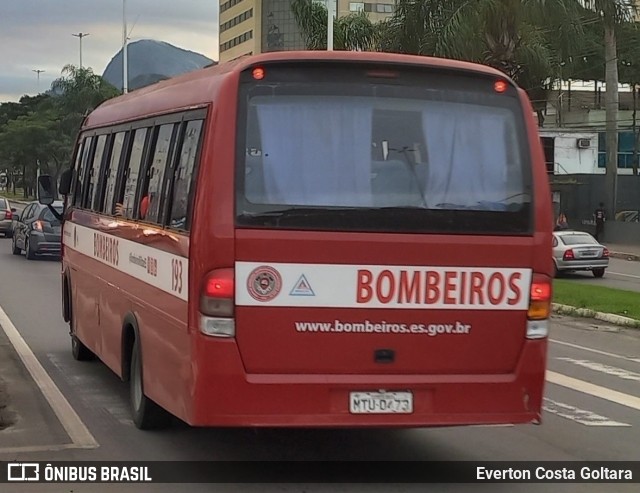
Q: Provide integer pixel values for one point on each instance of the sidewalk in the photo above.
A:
(627, 252)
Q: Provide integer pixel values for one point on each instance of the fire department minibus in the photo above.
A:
(314, 239)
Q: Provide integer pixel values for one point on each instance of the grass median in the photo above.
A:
(597, 298)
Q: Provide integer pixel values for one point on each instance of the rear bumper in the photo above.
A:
(43, 247)
(6, 226)
(223, 395)
(582, 264)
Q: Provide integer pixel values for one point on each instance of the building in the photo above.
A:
(256, 26)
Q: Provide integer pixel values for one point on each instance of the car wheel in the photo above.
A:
(29, 253)
(147, 414)
(14, 248)
(599, 272)
(8, 234)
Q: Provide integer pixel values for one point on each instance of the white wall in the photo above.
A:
(571, 160)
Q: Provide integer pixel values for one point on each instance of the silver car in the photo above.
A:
(6, 217)
(575, 250)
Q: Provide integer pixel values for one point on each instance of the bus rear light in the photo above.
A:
(218, 327)
(568, 255)
(217, 299)
(540, 301)
(258, 73)
(500, 86)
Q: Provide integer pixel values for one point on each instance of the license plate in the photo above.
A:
(381, 403)
(589, 253)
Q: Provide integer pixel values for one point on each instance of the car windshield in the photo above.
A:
(584, 239)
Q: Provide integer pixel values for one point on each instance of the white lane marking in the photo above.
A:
(578, 415)
(596, 351)
(624, 275)
(595, 390)
(609, 370)
(73, 425)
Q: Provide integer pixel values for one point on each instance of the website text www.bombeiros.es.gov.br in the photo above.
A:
(368, 327)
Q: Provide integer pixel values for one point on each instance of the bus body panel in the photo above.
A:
(267, 375)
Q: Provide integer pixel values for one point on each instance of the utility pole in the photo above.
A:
(125, 63)
(329, 25)
(80, 36)
(37, 71)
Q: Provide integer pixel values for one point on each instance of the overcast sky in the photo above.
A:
(37, 35)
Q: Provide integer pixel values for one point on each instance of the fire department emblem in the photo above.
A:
(264, 283)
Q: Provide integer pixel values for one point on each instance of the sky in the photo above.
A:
(38, 35)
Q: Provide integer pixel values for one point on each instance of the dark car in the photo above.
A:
(37, 231)
(6, 217)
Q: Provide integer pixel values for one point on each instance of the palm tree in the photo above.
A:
(80, 91)
(612, 13)
(352, 32)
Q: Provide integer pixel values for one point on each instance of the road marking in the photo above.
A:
(578, 415)
(594, 390)
(71, 422)
(596, 351)
(609, 370)
(624, 275)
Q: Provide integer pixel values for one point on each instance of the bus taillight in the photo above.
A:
(539, 307)
(217, 304)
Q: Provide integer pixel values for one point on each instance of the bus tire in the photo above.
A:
(147, 415)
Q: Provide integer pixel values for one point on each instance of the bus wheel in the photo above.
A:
(147, 415)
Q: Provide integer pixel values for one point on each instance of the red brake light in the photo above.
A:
(217, 299)
(500, 86)
(540, 291)
(8, 214)
(219, 284)
(37, 225)
(605, 252)
(568, 255)
(258, 73)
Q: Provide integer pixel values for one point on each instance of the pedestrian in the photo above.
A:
(561, 223)
(600, 217)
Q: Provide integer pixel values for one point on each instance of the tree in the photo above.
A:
(80, 91)
(352, 32)
(612, 13)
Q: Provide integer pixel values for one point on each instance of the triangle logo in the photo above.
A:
(302, 288)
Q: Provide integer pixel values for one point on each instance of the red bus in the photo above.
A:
(314, 239)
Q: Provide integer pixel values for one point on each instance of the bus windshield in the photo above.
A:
(350, 155)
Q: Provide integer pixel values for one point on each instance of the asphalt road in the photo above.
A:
(592, 409)
(621, 274)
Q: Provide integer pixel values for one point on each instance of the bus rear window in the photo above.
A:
(357, 155)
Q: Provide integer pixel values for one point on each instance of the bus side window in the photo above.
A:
(94, 173)
(111, 173)
(151, 197)
(80, 174)
(182, 193)
(127, 193)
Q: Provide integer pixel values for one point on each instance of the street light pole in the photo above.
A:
(37, 71)
(80, 36)
(125, 63)
(329, 25)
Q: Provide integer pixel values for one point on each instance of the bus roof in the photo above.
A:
(199, 88)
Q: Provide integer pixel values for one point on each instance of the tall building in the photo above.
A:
(255, 26)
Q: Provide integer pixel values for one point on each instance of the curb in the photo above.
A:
(605, 317)
(625, 256)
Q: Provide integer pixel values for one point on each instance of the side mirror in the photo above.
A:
(65, 182)
(46, 190)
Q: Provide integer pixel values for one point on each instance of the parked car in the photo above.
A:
(37, 231)
(576, 250)
(6, 218)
